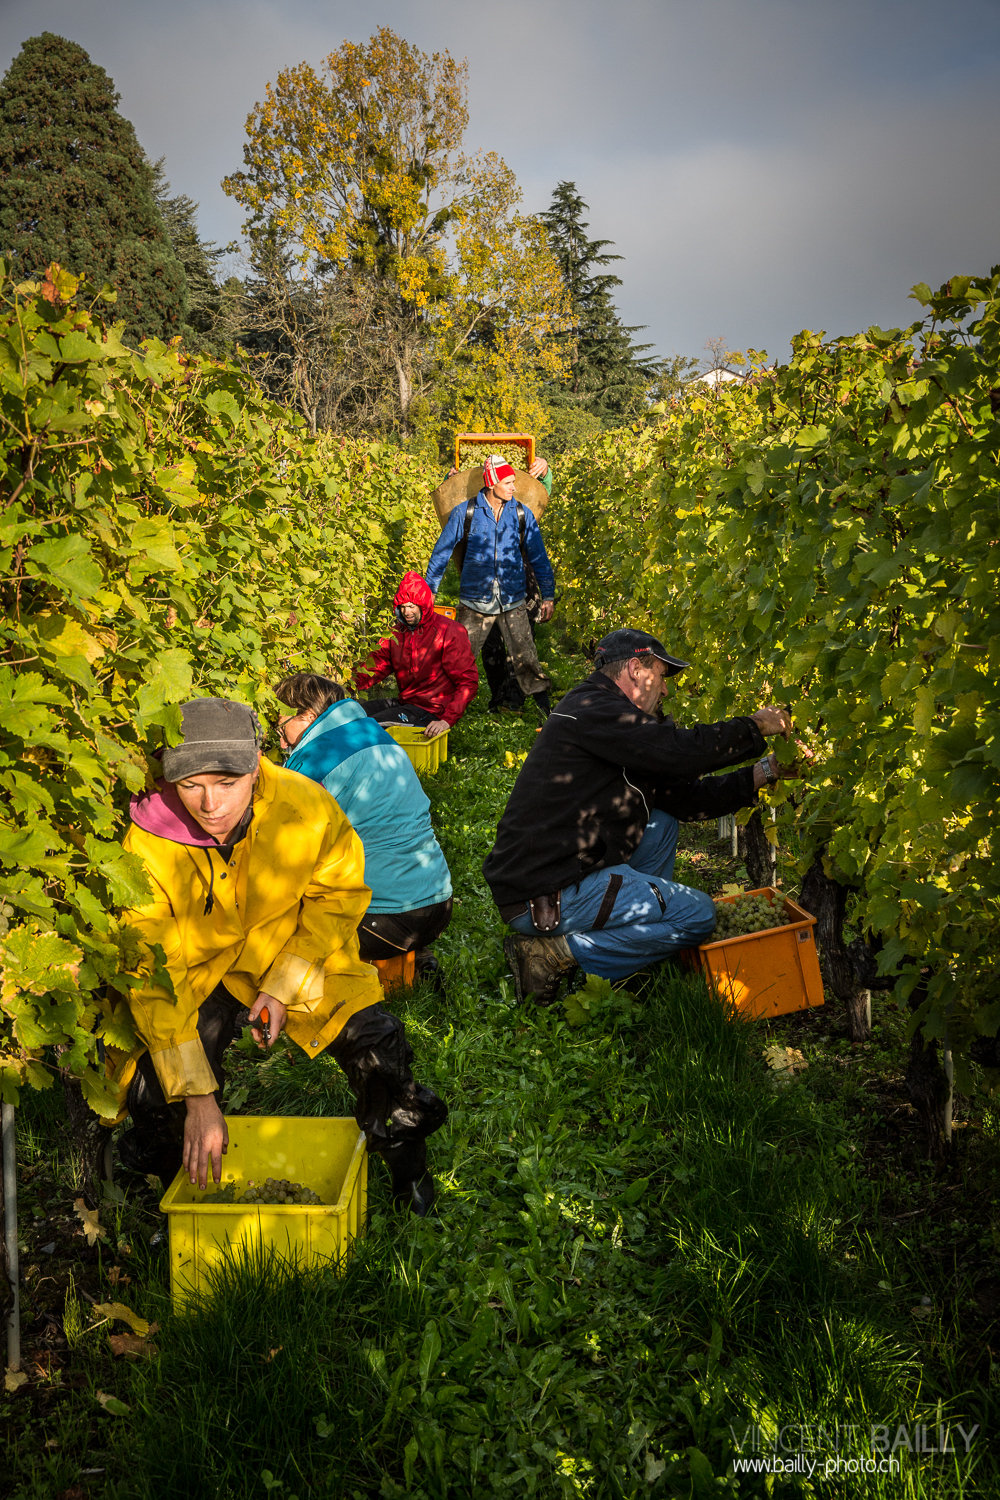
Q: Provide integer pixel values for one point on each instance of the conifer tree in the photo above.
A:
(77, 188)
(609, 377)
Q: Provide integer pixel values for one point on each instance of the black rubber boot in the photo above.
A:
(513, 698)
(427, 968)
(145, 1153)
(542, 702)
(412, 1183)
(494, 659)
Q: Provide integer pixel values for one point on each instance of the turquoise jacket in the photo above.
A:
(372, 780)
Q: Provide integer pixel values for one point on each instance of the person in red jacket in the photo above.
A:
(431, 659)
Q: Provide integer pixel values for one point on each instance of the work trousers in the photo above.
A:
(372, 1048)
(627, 916)
(516, 631)
(395, 711)
(505, 691)
(384, 934)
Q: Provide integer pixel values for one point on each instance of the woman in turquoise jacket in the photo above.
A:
(333, 741)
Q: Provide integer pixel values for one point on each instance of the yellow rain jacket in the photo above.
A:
(284, 919)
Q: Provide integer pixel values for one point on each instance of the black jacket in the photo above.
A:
(591, 780)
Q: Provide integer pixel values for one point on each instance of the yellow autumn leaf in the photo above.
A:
(65, 637)
(785, 1061)
(124, 1314)
(89, 1220)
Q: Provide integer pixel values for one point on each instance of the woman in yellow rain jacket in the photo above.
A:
(258, 889)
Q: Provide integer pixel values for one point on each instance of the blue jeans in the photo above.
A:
(652, 916)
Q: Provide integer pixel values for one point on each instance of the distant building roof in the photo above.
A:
(718, 377)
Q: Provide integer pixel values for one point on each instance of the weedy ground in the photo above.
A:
(651, 1262)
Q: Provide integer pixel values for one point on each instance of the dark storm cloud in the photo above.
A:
(763, 165)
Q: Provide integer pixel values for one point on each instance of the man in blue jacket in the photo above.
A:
(493, 576)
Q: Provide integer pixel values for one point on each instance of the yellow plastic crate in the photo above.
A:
(328, 1155)
(426, 755)
(768, 973)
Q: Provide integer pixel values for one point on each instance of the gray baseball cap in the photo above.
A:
(622, 643)
(219, 736)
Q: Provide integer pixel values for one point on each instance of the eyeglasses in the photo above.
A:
(278, 724)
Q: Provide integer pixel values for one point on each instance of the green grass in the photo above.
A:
(645, 1254)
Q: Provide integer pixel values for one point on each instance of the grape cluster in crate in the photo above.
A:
(274, 1190)
(474, 455)
(747, 914)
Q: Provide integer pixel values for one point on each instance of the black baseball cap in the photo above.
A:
(621, 644)
(219, 735)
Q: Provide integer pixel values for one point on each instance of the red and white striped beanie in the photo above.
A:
(495, 469)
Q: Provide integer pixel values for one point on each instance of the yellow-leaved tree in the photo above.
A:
(494, 340)
(357, 171)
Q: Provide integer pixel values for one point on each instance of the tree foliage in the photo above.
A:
(494, 345)
(345, 164)
(77, 188)
(356, 171)
(309, 340)
(608, 376)
(165, 530)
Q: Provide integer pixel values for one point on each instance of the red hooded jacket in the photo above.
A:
(433, 664)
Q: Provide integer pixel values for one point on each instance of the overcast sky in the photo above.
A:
(762, 165)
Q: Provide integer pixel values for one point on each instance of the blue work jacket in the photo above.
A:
(494, 552)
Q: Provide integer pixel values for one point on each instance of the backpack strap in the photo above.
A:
(463, 546)
(532, 591)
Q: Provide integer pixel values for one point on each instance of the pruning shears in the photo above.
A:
(263, 1024)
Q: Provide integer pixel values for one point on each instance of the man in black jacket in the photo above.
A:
(582, 867)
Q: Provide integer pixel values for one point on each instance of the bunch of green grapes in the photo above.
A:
(274, 1190)
(474, 455)
(747, 914)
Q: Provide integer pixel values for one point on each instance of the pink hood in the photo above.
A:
(162, 813)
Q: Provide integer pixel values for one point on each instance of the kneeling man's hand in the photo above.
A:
(276, 1013)
(436, 727)
(773, 721)
(206, 1138)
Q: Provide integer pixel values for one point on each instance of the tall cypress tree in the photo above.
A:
(77, 189)
(609, 378)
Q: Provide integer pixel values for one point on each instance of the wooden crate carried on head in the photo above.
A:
(469, 481)
(518, 448)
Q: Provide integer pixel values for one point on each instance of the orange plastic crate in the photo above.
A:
(767, 973)
(395, 973)
(448, 610)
